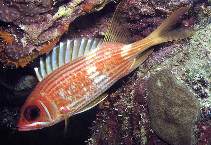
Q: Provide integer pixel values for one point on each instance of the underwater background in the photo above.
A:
(167, 100)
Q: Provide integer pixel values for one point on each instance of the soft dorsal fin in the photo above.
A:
(65, 52)
(116, 32)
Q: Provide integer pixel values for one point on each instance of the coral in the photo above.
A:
(171, 119)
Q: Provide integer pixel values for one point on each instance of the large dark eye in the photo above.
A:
(31, 113)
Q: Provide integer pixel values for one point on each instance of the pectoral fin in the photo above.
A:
(93, 103)
(87, 107)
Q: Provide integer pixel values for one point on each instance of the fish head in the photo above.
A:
(37, 113)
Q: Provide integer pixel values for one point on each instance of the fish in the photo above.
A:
(75, 76)
(25, 83)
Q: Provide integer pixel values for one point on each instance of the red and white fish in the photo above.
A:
(76, 74)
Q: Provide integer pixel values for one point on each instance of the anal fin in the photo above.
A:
(141, 58)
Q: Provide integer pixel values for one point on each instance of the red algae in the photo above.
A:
(205, 132)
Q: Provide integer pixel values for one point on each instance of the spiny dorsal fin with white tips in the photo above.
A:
(116, 32)
(64, 53)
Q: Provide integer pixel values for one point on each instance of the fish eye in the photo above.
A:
(31, 113)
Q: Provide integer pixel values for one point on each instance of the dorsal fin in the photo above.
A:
(65, 52)
(116, 32)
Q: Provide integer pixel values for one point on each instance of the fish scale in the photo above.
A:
(103, 85)
(73, 68)
(105, 65)
(82, 77)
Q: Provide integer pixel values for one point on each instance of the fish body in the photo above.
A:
(74, 85)
(69, 87)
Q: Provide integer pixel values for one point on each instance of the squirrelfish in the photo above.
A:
(74, 77)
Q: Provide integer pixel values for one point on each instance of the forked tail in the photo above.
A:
(164, 32)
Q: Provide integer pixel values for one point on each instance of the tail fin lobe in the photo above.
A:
(165, 32)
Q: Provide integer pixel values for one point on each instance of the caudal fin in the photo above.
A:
(165, 32)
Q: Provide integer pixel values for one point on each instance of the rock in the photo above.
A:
(35, 26)
(173, 109)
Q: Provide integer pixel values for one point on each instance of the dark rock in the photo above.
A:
(8, 117)
(21, 10)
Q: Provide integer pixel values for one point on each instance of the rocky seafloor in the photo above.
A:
(167, 100)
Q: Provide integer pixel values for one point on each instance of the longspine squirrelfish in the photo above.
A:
(76, 74)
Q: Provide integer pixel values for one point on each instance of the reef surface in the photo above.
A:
(31, 28)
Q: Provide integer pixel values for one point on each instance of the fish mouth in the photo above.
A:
(22, 129)
(32, 126)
